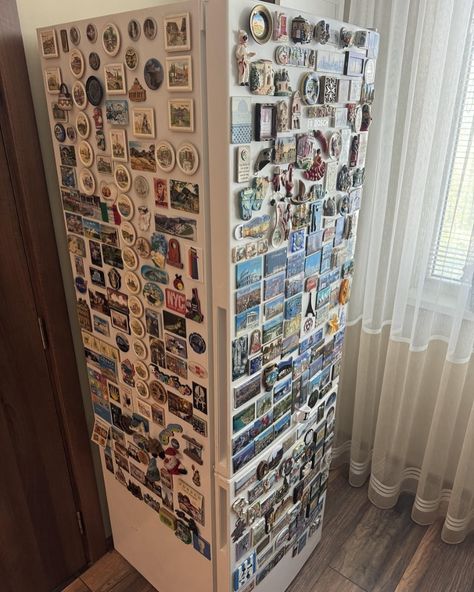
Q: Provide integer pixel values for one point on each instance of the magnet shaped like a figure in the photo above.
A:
(243, 55)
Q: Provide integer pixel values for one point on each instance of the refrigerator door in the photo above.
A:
(292, 95)
(129, 136)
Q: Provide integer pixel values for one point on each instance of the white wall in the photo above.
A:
(40, 13)
(328, 8)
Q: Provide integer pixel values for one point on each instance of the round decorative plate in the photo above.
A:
(86, 182)
(134, 30)
(94, 91)
(187, 158)
(59, 132)
(86, 154)
(132, 281)
(149, 28)
(153, 74)
(135, 306)
(310, 88)
(140, 349)
(91, 32)
(137, 328)
(143, 247)
(165, 156)
(128, 233)
(76, 63)
(111, 39)
(83, 126)
(94, 60)
(79, 95)
(153, 294)
(125, 206)
(130, 259)
(261, 24)
(141, 186)
(131, 58)
(122, 177)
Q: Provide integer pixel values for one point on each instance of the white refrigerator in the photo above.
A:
(210, 158)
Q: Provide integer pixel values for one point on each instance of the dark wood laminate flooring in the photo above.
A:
(363, 549)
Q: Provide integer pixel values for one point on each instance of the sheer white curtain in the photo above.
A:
(406, 406)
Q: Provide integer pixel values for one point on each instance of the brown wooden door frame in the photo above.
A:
(18, 126)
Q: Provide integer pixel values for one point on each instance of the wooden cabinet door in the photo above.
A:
(40, 540)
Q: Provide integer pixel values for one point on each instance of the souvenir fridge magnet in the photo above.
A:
(265, 117)
(301, 30)
(111, 39)
(79, 95)
(94, 91)
(114, 75)
(187, 158)
(241, 120)
(282, 86)
(261, 24)
(52, 79)
(76, 63)
(242, 56)
(321, 32)
(131, 58)
(134, 30)
(243, 164)
(261, 77)
(181, 115)
(153, 74)
(75, 35)
(49, 45)
(280, 26)
(310, 88)
(177, 32)
(94, 60)
(149, 28)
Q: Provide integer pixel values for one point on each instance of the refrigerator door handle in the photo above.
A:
(223, 517)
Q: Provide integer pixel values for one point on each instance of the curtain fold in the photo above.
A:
(405, 416)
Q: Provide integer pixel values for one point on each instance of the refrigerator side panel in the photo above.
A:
(131, 155)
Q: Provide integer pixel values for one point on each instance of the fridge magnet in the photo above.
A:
(118, 143)
(179, 74)
(366, 118)
(285, 150)
(142, 156)
(125, 206)
(86, 182)
(184, 196)
(64, 41)
(86, 154)
(243, 164)
(296, 110)
(67, 154)
(135, 306)
(137, 93)
(114, 75)
(122, 177)
(335, 145)
(137, 327)
(94, 60)
(282, 86)
(330, 61)
(60, 135)
(176, 226)
(248, 272)
(130, 258)
(76, 63)
(177, 32)
(321, 32)
(79, 95)
(202, 546)
(49, 46)
(132, 282)
(282, 55)
(187, 158)
(181, 115)
(194, 258)
(111, 39)
(261, 24)
(261, 77)
(280, 26)
(116, 112)
(153, 74)
(131, 58)
(122, 342)
(301, 30)
(141, 186)
(241, 120)
(91, 32)
(197, 343)
(75, 35)
(71, 133)
(143, 122)
(265, 119)
(149, 28)
(134, 29)
(193, 449)
(354, 64)
(165, 158)
(52, 79)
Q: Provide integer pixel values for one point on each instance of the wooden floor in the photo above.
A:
(363, 549)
